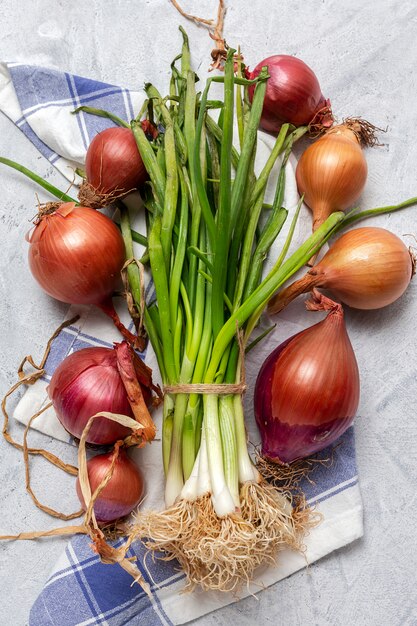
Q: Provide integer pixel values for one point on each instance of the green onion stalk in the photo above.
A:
(210, 231)
(207, 245)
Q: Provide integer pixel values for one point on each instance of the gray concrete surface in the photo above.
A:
(365, 53)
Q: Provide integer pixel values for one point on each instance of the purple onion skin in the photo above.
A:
(283, 442)
(290, 443)
(85, 383)
(293, 94)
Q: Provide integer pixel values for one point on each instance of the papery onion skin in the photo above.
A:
(307, 391)
(113, 163)
(380, 268)
(293, 94)
(366, 268)
(331, 173)
(123, 492)
(76, 254)
(85, 383)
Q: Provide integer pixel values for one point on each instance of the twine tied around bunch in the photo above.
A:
(221, 389)
(218, 389)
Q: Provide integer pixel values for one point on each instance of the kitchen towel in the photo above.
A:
(81, 590)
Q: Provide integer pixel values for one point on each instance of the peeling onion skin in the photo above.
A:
(76, 255)
(85, 383)
(307, 391)
(123, 492)
(113, 163)
(293, 93)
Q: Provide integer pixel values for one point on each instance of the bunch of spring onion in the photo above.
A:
(206, 251)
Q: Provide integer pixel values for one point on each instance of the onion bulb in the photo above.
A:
(122, 493)
(293, 95)
(332, 172)
(366, 268)
(76, 254)
(88, 382)
(113, 167)
(307, 391)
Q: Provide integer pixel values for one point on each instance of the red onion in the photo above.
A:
(307, 391)
(124, 490)
(90, 381)
(113, 164)
(85, 383)
(293, 95)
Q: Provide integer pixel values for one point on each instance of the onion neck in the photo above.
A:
(359, 131)
(279, 301)
(346, 131)
(320, 302)
(321, 212)
(134, 393)
(323, 118)
(108, 308)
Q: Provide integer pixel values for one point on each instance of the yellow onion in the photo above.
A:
(76, 255)
(366, 268)
(332, 172)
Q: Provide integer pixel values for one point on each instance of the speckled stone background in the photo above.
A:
(365, 53)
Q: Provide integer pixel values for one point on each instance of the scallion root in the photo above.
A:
(279, 523)
(287, 477)
(222, 554)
